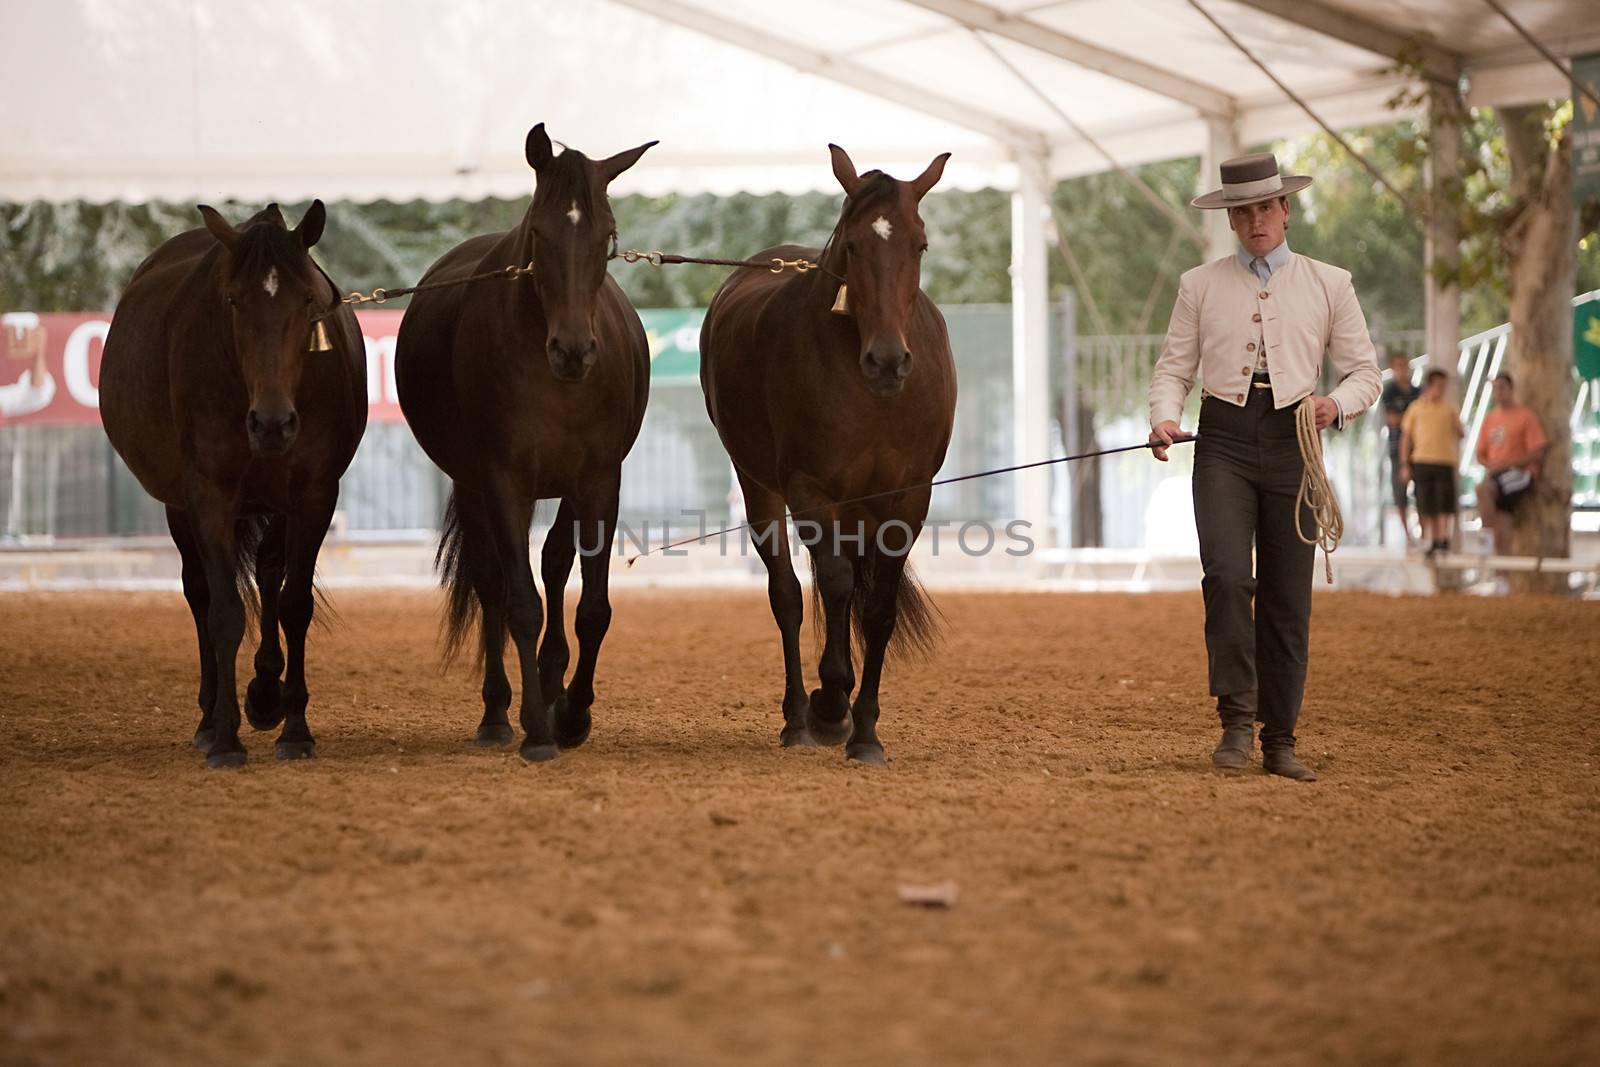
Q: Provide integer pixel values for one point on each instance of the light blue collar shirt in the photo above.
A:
(1264, 266)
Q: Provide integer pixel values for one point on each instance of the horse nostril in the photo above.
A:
(284, 427)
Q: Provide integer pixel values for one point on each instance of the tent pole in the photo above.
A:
(1030, 323)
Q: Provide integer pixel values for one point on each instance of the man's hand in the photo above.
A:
(1327, 411)
(1162, 436)
(1405, 472)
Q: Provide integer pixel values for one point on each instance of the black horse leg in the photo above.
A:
(881, 611)
(212, 513)
(554, 654)
(262, 696)
(597, 528)
(480, 566)
(510, 514)
(198, 595)
(764, 511)
(306, 529)
(828, 717)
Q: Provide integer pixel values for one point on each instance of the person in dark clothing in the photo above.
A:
(1398, 393)
(1256, 329)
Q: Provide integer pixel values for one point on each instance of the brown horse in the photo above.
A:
(210, 395)
(816, 408)
(524, 390)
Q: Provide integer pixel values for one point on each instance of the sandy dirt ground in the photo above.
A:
(681, 890)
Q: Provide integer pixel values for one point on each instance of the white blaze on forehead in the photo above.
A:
(574, 214)
(882, 227)
(271, 282)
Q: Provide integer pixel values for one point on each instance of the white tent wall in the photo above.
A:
(364, 99)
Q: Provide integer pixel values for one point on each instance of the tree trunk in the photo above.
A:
(1540, 244)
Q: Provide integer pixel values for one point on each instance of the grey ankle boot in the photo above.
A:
(1281, 760)
(1238, 714)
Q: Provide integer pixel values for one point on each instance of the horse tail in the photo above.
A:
(459, 562)
(918, 621)
(248, 533)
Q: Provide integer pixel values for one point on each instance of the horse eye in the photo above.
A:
(849, 248)
(923, 249)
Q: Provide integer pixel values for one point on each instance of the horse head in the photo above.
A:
(572, 227)
(273, 293)
(880, 240)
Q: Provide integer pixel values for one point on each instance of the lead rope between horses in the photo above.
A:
(1316, 492)
(657, 258)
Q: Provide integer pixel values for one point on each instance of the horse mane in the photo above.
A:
(265, 241)
(567, 179)
(875, 188)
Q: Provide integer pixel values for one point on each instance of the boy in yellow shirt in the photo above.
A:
(1430, 439)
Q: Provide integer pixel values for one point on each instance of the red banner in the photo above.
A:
(50, 367)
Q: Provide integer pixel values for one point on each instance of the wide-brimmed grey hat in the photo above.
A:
(1249, 180)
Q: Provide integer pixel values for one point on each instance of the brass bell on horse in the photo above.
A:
(841, 303)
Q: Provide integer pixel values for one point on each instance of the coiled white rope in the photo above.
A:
(1316, 492)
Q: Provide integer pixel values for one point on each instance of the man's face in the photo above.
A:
(1503, 394)
(1434, 388)
(1261, 226)
(1400, 368)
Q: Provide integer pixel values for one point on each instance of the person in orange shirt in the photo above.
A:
(1510, 445)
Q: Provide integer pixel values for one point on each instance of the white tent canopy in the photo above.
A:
(365, 99)
(361, 99)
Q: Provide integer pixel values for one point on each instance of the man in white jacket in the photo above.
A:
(1254, 328)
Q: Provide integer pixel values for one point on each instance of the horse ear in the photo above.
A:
(844, 170)
(310, 229)
(276, 212)
(219, 227)
(538, 149)
(930, 177)
(611, 167)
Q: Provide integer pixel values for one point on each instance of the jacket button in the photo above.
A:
(1256, 317)
(1265, 294)
(1251, 347)
(1244, 370)
(1241, 398)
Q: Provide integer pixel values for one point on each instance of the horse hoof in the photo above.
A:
(823, 731)
(263, 704)
(795, 735)
(572, 727)
(493, 734)
(220, 760)
(867, 754)
(540, 753)
(203, 738)
(295, 750)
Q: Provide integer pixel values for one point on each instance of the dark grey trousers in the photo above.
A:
(1246, 473)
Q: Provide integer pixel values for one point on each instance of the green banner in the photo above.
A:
(674, 336)
(1586, 338)
(1585, 130)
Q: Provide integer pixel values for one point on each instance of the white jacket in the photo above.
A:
(1223, 311)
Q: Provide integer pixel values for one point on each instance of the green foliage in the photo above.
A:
(1348, 219)
(1124, 245)
(78, 256)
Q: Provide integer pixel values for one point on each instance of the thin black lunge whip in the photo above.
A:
(1177, 439)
